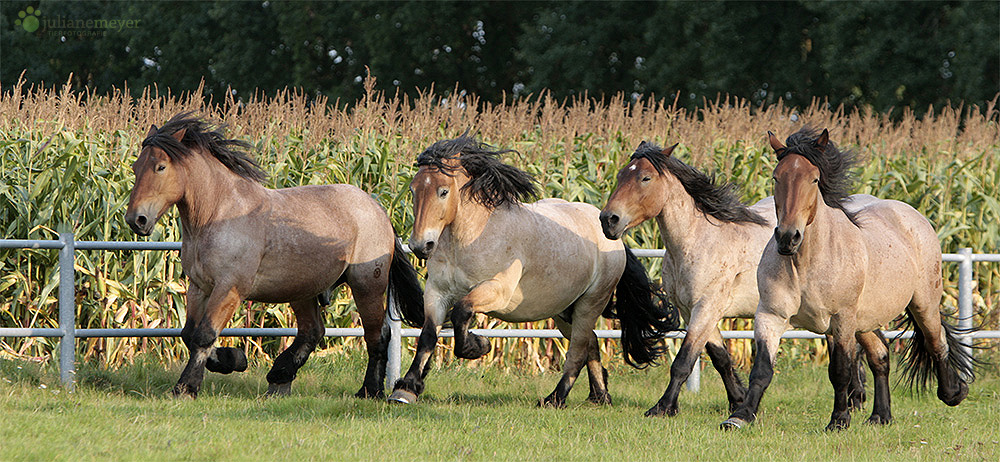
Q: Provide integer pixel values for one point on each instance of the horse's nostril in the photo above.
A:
(429, 246)
(797, 237)
(140, 220)
(613, 219)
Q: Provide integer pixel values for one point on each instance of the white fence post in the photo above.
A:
(965, 293)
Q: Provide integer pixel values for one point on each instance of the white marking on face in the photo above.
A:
(632, 167)
(427, 181)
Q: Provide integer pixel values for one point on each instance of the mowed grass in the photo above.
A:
(466, 413)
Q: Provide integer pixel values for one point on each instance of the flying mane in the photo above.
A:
(208, 137)
(835, 167)
(718, 200)
(492, 183)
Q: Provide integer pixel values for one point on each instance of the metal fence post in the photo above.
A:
(694, 380)
(67, 311)
(392, 366)
(965, 292)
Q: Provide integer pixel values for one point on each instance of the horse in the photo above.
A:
(845, 269)
(243, 241)
(489, 252)
(713, 243)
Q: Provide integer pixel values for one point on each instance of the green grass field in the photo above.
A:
(467, 413)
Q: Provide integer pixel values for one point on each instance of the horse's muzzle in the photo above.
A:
(423, 249)
(788, 241)
(609, 224)
(140, 223)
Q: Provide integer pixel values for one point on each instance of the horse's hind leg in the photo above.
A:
(735, 391)
(309, 320)
(597, 374)
(952, 388)
(368, 283)
(877, 352)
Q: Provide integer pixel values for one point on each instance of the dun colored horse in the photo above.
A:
(242, 241)
(488, 252)
(713, 244)
(844, 269)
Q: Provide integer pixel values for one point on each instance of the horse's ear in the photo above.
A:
(179, 134)
(775, 144)
(641, 144)
(670, 150)
(152, 131)
(823, 139)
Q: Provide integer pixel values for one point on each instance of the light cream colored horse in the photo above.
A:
(242, 241)
(845, 272)
(713, 244)
(487, 252)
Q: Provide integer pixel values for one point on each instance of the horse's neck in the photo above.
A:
(682, 226)
(470, 221)
(213, 193)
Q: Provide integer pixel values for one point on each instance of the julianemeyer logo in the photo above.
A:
(30, 19)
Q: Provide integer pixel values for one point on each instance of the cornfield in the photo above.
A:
(66, 160)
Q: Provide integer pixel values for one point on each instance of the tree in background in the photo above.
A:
(883, 54)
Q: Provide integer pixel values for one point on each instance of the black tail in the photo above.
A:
(404, 288)
(644, 320)
(917, 362)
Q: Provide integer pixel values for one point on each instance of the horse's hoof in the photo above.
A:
(602, 399)
(226, 360)
(363, 393)
(838, 425)
(277, 390)
(876, 419)
(733, 423)
(402, 396)
(551, 401)
(184, 392)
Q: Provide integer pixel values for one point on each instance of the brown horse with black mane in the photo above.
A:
(242, 241)
(845, 268)
(489, 252)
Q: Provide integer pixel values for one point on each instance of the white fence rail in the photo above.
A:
(68, 333)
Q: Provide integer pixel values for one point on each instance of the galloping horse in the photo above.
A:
(488, 252)
(844, 269)
(713, 244)
(242, 241)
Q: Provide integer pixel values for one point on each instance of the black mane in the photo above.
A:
(836, 179)
(209, 137)
(492, 183)
(718, 200)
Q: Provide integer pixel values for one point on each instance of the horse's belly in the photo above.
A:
(535, 307)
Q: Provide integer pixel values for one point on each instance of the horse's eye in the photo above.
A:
(443, 192)
(161, 167)
(815, 180)
(646, 178)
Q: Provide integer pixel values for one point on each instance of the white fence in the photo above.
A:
(68, 333)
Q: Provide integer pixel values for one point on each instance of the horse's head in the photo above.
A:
(436, 196)
(796, 194)
(640, 194)
(159, 184)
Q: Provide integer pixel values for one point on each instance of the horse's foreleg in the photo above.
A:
(767, 332)
(309, 320)
(699, 330)
(843, 365)
(878, 359)
(487, 296)
(411, 385)
(856, 389)
(205, 318)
